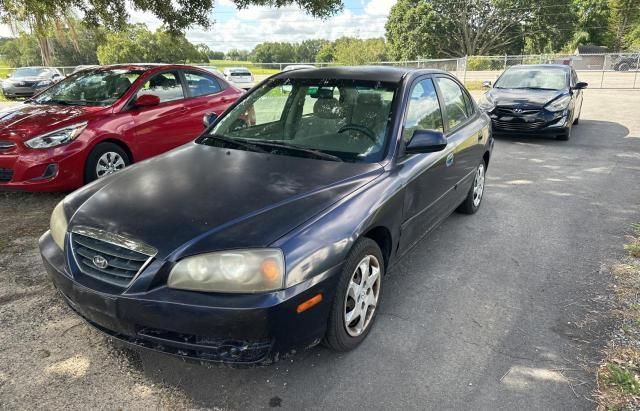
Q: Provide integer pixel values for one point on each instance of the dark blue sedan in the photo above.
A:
(273, 231)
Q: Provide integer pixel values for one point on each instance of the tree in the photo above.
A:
(445, 28)
(308, 50)
(274, 52)
(353, 51)
(239, 55)
(592, 17)
(21, 51)
(326, 53)
(624, 20)
(138, 44)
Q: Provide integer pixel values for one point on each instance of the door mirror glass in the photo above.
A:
(147, 100)
(208, 119)
(580, 85)
(486, 84)
(426, 141)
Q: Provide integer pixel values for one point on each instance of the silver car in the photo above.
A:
(28, 81)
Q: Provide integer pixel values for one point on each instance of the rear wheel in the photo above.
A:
(357, 297)
(105, 159)
(624, 67)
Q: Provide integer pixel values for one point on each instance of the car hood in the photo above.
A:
(28, 120)
(523, 97)
(198, 198)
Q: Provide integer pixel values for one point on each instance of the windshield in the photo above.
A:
(551, 79)
(90, 88)
(339, 120)
(30, 72)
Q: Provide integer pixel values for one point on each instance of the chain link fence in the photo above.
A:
(607, 71)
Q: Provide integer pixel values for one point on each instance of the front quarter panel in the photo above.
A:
(324, 242)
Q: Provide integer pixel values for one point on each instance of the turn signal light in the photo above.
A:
(309, 303)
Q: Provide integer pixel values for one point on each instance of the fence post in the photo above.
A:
(635, 77)
(604, 63)
(505, 62)
(464, 70)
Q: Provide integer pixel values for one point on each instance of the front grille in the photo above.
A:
(108, 257)
(504, 111)
(517, 125)
(6, 174)
(6, 145)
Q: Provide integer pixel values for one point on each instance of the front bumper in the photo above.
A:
(56, 169)
(15, 91)
(236, 329)
(540, 123)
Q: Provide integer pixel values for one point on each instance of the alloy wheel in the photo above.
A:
(478, 186)
(109, 163)
(362, 296)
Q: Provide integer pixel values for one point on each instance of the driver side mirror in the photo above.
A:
(580, 85)
(147, 100)
(208, 119)
(426, 141)
(486, 84)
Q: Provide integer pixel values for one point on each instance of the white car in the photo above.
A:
(240, 76)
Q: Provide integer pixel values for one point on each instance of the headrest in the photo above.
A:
(327, 108)
(370, 99)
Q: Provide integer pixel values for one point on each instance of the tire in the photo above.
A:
(565, 136)
(342, 336)
(624, 66)
(109, 156)
(473, 201)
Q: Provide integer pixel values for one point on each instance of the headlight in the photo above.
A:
(57, 137)
(486, 103)
(245, 271)
(43, 83)
(559, 104)
(58, 225)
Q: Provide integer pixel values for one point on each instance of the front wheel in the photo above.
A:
(357, 297)
(472, 202)
(105, 159)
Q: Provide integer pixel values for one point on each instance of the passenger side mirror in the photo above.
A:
(147, 100)
(580, 85)
(208, 119)
(426, 141)
(486, 84)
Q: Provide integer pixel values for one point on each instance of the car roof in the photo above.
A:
(371, 73)
(540, 66)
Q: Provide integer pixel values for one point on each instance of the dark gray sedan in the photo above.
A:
(273, 230)
(28, 81)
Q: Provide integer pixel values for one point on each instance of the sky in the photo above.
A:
(243, 29)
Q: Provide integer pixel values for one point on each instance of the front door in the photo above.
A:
(160, 128)
(426, 175)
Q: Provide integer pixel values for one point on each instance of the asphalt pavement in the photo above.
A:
(504, 309)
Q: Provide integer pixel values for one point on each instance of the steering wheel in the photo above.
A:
(239, 124)
(362, 129)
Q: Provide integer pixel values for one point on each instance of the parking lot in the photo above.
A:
(503, 309)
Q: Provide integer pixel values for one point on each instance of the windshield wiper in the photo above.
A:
(55, 101)
(236, 142)
(286, 146)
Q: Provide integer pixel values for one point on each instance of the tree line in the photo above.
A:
(415, 29)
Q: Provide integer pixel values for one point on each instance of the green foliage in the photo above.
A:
(239, 55)
(411, 30)
(624, 24)
(138, 44)
(325, 54)
(624, 378)
(353, 51)
(272, 52)
(21, 51)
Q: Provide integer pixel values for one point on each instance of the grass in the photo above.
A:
(255, 69)
(619, 375)
(473, 85)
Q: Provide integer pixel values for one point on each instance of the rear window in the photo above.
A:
(240, 73)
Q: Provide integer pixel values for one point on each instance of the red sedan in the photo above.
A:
(99, 121)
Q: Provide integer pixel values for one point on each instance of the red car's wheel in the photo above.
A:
(105, 159)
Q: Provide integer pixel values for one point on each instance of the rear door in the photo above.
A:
(427, 184)
(206, 94)
(160, 128)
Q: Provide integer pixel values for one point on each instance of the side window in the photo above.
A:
(201, 84)
(469, 104)
(164, 85)
(454, 101)
(423, 111)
